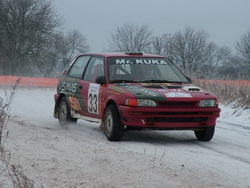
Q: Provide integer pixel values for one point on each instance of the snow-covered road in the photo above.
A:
(81, 156)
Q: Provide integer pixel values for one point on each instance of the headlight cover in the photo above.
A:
(140, 102)
(208, 103)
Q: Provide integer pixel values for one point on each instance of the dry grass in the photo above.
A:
(5, 103)
(19, 180)
(235, 92)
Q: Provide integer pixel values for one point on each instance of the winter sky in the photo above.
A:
(224, 20)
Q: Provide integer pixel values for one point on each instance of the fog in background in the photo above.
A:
(224, 20)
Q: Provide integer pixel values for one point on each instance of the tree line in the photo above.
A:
(190, 50)
(31, 41)
(32, 44)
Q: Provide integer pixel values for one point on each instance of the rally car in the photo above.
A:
(133, 91)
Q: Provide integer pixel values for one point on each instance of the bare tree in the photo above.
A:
(191, 52)
(26, 26)
(52, 58)
(47, 57)
(130, 38)
(241, 61)
(215, 58)
(243, 48)
(74, 43)
(161, 46)
(188, 49)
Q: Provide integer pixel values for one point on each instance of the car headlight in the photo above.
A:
(140, 102)
(208, 103)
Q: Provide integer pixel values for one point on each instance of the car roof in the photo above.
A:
(121, 54)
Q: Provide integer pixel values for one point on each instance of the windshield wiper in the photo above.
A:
(159, 81)
(123, 81)
(177, 82)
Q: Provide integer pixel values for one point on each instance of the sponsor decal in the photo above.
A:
(93, 98)
(114, 92)
(178, 94)
(74, 104)
(141, 91)
(141, 61)
(68, 86)
(175, 90)
(116, 89)
(163, 90)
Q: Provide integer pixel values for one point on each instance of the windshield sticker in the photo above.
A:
(178, 94)
(141, 61)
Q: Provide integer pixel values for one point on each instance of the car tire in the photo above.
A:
(206, 134)
(64, 114)
(113, 127)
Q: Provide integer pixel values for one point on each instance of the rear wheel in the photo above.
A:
(64, 114)
(206, 134)
(113, 127)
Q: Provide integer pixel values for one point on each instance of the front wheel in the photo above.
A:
(113, 127)
(64, 114)
(206, 134)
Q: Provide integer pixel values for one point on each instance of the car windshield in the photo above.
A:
(148, 70)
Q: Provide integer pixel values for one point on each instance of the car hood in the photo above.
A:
(166, 91)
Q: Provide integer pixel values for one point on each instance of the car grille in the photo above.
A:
(174, 104)
(181, 113)
(176, 119)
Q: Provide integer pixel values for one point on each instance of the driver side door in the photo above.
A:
(89, 89)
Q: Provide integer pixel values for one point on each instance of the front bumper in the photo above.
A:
(168, 118)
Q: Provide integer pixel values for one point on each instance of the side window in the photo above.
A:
(79, 66)
(94, 69)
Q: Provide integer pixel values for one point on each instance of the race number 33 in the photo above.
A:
(93, 98)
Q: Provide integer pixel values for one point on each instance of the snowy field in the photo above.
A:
(81, 156)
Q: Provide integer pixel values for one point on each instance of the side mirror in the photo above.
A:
(100, 80)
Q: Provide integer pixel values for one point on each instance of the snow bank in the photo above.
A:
(81, 156)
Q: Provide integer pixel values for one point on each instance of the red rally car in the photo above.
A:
(133, 91)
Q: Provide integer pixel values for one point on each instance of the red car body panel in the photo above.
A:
(177, 104)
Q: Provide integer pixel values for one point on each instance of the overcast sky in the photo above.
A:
(224, 20)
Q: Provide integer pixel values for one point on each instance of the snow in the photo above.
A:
(81, 156)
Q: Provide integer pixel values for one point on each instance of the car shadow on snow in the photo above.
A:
(160, 137)
(141, 136)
